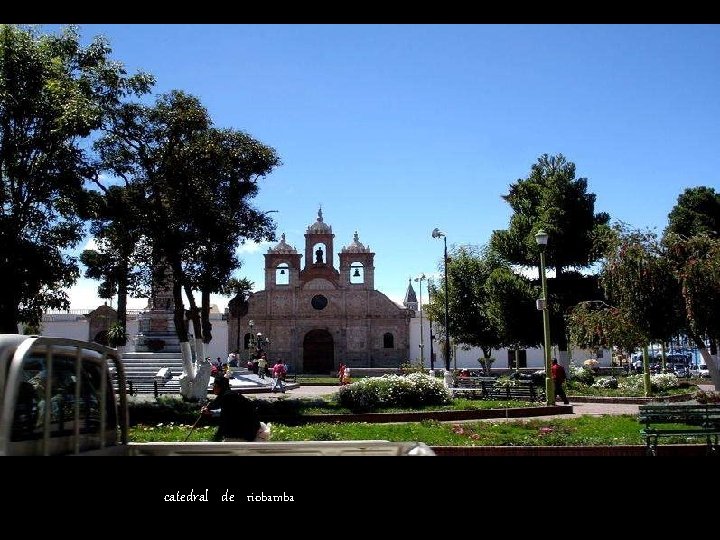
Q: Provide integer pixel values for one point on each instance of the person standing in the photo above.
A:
(278, 376)
(558, 377)
(238, 417)
(262, 366)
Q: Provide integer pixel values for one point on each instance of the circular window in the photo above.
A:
(319, 301)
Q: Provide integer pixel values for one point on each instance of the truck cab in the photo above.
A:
(56, 397)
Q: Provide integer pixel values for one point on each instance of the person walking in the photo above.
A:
(558, 377)
(238, 417)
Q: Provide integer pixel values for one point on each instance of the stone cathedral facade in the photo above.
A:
(316, 315)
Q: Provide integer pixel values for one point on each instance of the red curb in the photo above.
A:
(618, 451)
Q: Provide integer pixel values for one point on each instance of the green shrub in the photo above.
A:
(164, 409)
(581, 374)
(116, 335)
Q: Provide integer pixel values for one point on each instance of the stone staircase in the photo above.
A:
(141, 370)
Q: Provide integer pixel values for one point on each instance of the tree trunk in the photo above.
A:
(197, 326)
(122, 302)
(646, 371)
(181, 330)
(205, 315)
(710, 360)
(560, 334)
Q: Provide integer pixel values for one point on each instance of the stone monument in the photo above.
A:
(156, 327)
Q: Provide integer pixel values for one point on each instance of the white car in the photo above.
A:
(699, 371)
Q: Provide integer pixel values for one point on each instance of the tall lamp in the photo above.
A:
(419, 280)
(541, 237)
(251, 343)
(437, 233)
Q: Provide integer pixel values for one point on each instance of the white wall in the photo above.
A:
(67, 326)
(468, 359)
(219, 344)
(77, 327)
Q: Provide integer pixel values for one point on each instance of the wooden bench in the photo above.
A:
(519, 390)
(487, 388)
(682, 420)
(147, 385)
(474, 382)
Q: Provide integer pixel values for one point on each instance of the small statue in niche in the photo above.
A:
(319, 256)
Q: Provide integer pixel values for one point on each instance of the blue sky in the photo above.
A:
(397, 129)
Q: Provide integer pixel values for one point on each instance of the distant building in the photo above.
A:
(316, 315)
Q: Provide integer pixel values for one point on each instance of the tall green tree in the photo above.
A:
(695, 263)
(511, 308)
(54, 94)
(553, 199)
(595, 325)
(122, 247)
(489, 305)
(639, 280)
(696, 213)
(238, 304)
(198, 182)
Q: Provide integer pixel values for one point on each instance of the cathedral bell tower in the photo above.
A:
(319, 252)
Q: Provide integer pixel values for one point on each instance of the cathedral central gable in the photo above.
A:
(319, 284)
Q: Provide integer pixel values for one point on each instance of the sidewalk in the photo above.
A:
(580, 409)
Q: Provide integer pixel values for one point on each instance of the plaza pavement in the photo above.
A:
(581, 409)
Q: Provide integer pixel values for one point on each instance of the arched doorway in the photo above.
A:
(318, 352)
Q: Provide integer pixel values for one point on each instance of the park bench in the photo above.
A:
(680, 420)
(488, 388)
(146, 385)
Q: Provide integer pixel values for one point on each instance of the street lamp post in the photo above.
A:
(251, 343)
(262, 343)
(437, 234)
(542, 239)
(420, 279)
(432, 353)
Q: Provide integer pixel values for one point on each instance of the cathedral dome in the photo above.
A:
(282, 247)
(356, 246)
(319, 227)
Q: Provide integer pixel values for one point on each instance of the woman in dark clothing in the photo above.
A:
(238, 417)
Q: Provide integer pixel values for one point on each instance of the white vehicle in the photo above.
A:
(56, 397)
(699, 371)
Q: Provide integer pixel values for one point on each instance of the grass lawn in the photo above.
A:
(585, 430)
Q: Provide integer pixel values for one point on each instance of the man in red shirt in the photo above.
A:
(558, 377)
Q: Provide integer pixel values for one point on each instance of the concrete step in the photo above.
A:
(145, 355)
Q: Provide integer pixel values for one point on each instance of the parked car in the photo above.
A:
(699, 371)
(681, 371)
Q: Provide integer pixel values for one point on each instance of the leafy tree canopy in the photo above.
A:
(697, 212)
(54, 93)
